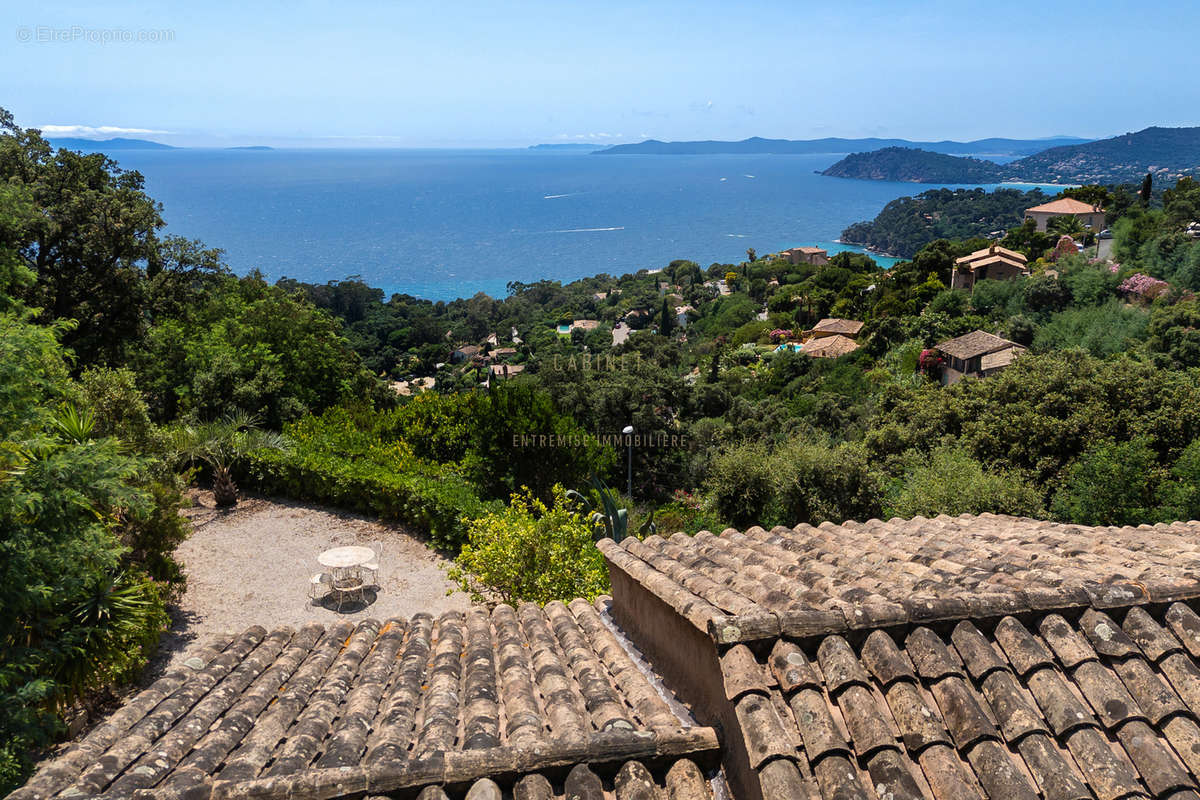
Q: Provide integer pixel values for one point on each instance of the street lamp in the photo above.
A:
(628, 431)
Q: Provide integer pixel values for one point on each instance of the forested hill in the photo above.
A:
(907, 224)
(1167, 153)
(911, 165)
(757, 144)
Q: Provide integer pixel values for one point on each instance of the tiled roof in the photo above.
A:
(829, 346)
(992, 251)
(1001, 358)
(757, 584)
(1067, 205)
(378, 708)
(975, 343)
(849, 327)
(1063, 707)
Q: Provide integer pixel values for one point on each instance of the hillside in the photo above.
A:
(1169, 153)
(907, 224)
(757, 144)
(911, 165)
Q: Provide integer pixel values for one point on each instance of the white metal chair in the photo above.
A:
(315, 584)
(372, 567)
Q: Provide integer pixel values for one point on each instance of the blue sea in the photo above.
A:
(442, 224)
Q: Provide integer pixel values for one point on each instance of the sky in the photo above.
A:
(451, 73)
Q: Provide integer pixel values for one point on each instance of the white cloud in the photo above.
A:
(95, 131)
(589, 136)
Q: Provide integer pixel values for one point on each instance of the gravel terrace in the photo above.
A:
(251, 565)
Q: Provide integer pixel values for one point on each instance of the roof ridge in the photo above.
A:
(804, 622)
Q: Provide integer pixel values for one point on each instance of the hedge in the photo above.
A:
(432, 500)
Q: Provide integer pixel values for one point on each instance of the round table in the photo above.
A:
(346, 557)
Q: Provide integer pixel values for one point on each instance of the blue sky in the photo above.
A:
(454, 73)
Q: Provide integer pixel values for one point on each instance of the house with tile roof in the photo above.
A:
(987, 657)
(992, 262)
(1090, 215)
(817, 256)
(833, 326)
(834, 346)
(977, 354)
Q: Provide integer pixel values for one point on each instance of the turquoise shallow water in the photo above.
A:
(444, 223)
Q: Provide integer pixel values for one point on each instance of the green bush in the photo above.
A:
(531, 551)
(1113, 483)
(77, 616)
(950, 482)
(799, 481)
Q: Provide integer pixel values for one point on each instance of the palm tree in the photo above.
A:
(220, 445)
(1070, 225)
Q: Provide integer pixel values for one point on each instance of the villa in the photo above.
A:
(1091, 216)
(977, 354)
(815, 256)
(992, 262)
(833, 346)
(465, 353)
(502, 372)
(832, 326)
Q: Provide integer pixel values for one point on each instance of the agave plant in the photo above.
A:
(74, 425)
(608, 520)
(220, 445)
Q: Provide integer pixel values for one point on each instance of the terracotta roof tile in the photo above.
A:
(808, 581)
(397, 705)
(975, 343)
(847, 327)
(1016, 709)
(1066, 205)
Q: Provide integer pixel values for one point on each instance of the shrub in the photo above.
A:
(1112, 483)
(531, 551)
(800, 481)
(431, 499)
(950, 482)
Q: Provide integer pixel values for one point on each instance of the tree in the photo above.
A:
(78, 614)
(751, 254)
(1068, 224)
(668, 319)
(1147, 189)
(1113, 483)
(221, 445)
(89, 245)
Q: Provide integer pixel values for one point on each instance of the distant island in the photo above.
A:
(756, 144)
(75, 143)
(1168, 153)
(250, 147)
(911, 165)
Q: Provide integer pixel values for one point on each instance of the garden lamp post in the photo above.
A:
(628, 431)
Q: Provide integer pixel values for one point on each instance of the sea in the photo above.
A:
(444, 224)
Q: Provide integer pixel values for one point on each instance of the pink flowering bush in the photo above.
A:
(779, 334)
(1143, 286)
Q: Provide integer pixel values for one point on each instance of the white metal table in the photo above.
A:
(344, 563)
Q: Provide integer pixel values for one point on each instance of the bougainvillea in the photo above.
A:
(779, 334)
(1143, 286)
